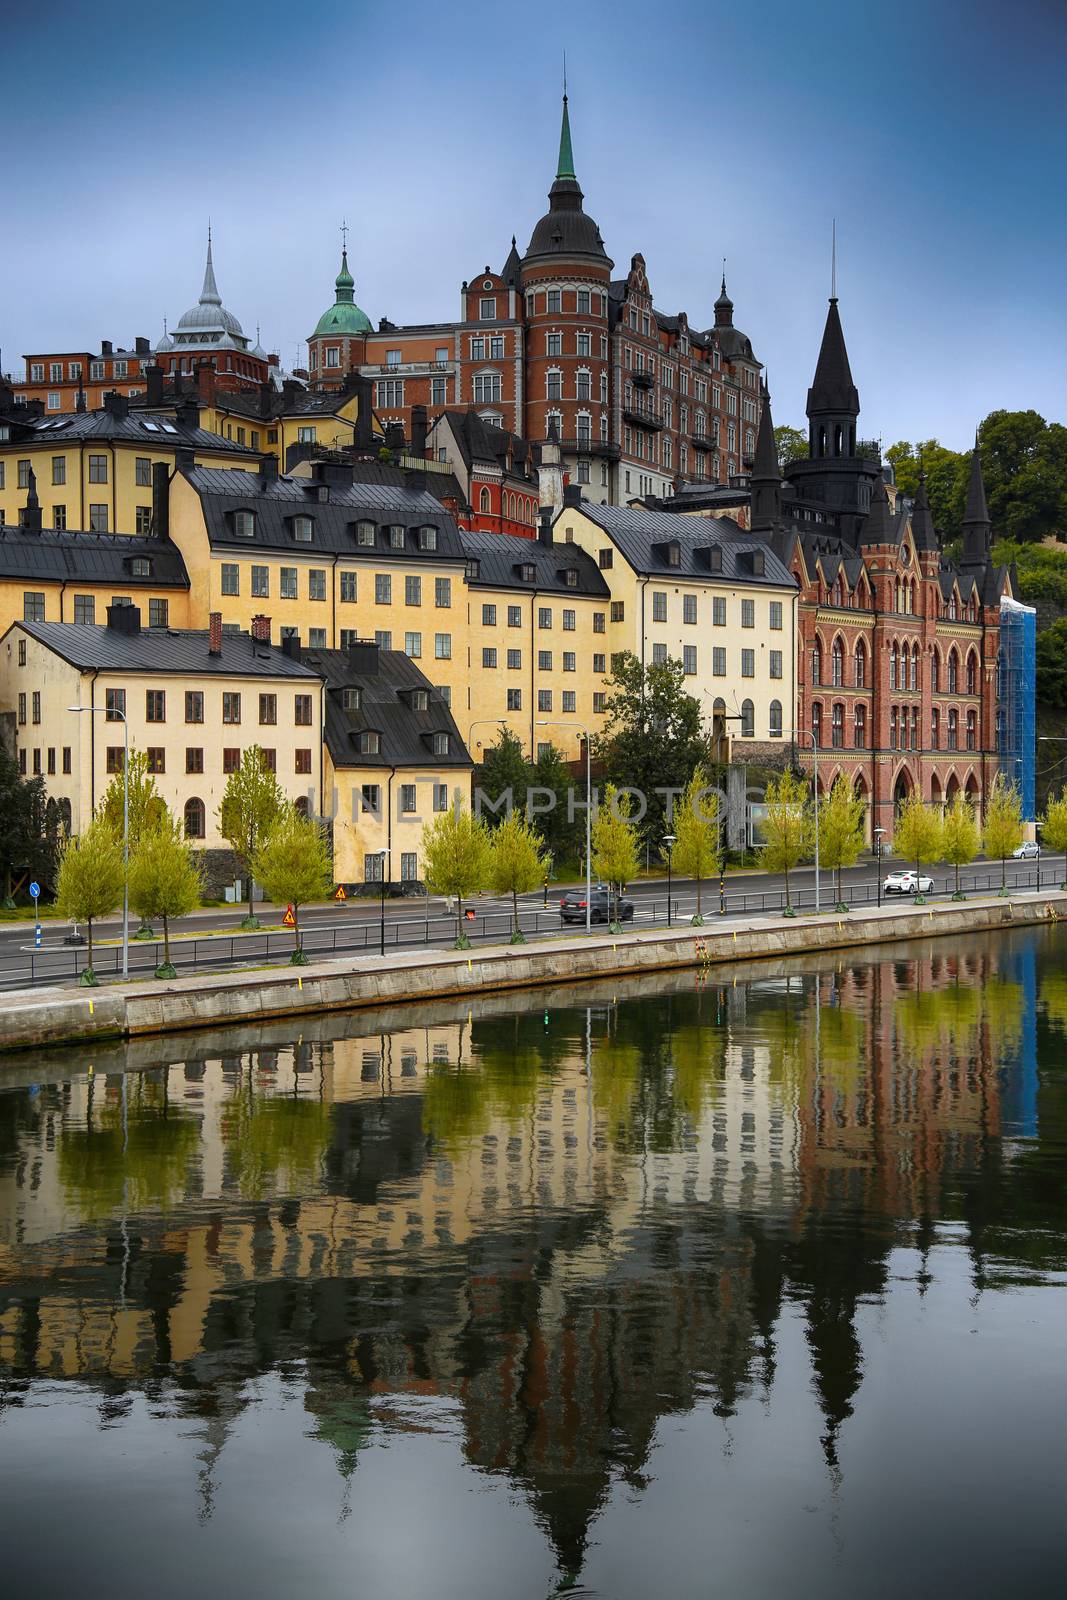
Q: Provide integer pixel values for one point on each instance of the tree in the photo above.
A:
(1024, 465)
(517, 864)
(164, 880)
(1003, 831)
(293, 864)
(561, 826)
(652, 737)
(840, 831)
(146, 811)
(791, 444)
(252, 804)
(26, 845)
(786, 828)
(1054, 827)
(696, 829)
(456, 853)
(946, 473)
(917, 835)
(1052, 663)
(960, 838)
(614, 847)
(504, 769)
(90, 881)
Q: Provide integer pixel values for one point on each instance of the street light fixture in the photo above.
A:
(383, 855)
(878, 832)
(669, 839)
(113, 714)
(576, 726)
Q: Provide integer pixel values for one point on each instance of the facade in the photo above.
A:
(494, 470)
(69, 380)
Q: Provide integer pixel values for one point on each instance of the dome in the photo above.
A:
(166, 343)
(565, 230)
(204, 322)
(344, 316)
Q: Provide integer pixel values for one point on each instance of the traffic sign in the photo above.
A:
(37, 937)
(339, 893)
(35, 891)
(289, 921)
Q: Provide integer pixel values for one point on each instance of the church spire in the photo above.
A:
(977, 528)
(565, 165)
(766, 479)
(833, 389)
(209, 294)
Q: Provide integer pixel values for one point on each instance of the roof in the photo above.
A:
(164, 651)
(832, 388)
(209, 316)
(386, 708)
(344, 316)
(151, 432)
(565, 230)
(275, 501)
(637, 534)
(479, 440)
(501, 558)
(292, 400)
(442, 485)
(88, 558)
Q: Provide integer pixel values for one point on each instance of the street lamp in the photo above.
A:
(806, 733)
(878, 832)
(588, 813)
(669, 841)
(382, 857)
(113, 714)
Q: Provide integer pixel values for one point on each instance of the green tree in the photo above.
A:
(252, 805)
(917, 835)
(456, 852)
(90, 881)
(652, 737)
(293, 864)
(614, 847)
(787, 828)
(1054, 827)
(504, 770)
(1024, 465)
(561, 826)
(696, 829)
(147, 809)
(960, 839)
(1052, 664)
(164, 880)
(517, 864)
(792, 444)
(946, 479)
(1003, 830)
(26, 845)
(840, 831)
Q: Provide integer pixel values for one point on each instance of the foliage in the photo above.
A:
(840, 830)
(164, 879)
(1052, 664)
(564, 835)
(517, 864)
(1024, 464)
(960, 838)
(696, 829)
(791, 443)
(128, 1159)
(652, 737)
(293, 865)
(27, 842)
(252, 804)
(946, 479)
(90, 879)
(1003, 831)
(614, 842)
(1054, 823)
(787, 827)
(503, 768)
(917, 835)
(456, 854)
(147, 809)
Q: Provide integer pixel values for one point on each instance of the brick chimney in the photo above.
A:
(261, 628)
(187, 412)
(124, 619)
(418, 431)
(214, 634)
(154, 384)
(116, 405)
(205, 383)
(160, 500)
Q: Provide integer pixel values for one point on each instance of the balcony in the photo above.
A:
(703, 441)
(643, 379)
(590, 447)
(652, 420)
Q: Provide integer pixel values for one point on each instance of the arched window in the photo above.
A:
(816, 722)
(859, 730)
(483, 500)
(194, 819)
(837, 661)
(860, 673)
(748, 720)
(65, 816)
(837, 725)
(300, 805)
(893, 667)
(972, 730)
(894, 729)
(915, 667)
(914, 596)
(935, 729)
(776, 719)
(953, 730)
(953, 671)
(915, 727)
(816, 662)
(935, 673)
(972, 673)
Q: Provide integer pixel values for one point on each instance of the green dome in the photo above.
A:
(344, 316)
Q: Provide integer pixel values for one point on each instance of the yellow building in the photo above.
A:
(279, 420)
(706, 593)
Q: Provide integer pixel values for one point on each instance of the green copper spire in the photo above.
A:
(565, 168)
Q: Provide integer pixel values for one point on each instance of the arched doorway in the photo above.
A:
(903, 788)
(936, 797)
(952, 788)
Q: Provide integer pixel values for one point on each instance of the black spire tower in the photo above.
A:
(766, 478)
(977, 528)
(833, 399)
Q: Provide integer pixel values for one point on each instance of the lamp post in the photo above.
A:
(806, 733)
(878, 832)
(383, 856)
(588, 812)
(113, 714)
(669, 841)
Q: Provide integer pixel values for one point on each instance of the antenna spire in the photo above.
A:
(564, 74)
(344, 234)
(833, 259)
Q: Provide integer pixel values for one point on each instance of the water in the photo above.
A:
(690, 1287)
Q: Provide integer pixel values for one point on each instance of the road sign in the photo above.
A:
(289, 921)
(35, 891)
(37, 937)
(339, 892)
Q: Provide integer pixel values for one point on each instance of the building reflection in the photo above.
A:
(568, 1222)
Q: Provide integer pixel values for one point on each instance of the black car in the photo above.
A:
(602, 906)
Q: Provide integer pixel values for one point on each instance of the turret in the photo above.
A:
(766, 479)
(833, 400)
(977, 528)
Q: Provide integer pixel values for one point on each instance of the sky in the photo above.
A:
(934, 133)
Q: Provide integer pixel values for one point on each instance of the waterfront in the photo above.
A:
(677, 1282)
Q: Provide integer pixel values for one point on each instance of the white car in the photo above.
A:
(909, 882)
(1028, 852)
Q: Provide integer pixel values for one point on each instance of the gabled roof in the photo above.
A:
(501, 557)
(642, 537)
(479, 440)
(386, 709)
(89, 558)
(164, 651)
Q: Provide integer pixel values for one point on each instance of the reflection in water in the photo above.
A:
(564, 1238)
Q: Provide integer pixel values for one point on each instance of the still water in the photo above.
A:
(716, 1285)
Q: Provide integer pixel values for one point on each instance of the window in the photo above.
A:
(776, 719)
(748, 613)
(837, 663)
(194, 759)
(114, 705)
(261, 582)
(59, 515)
(428, 537)
(97, 518)
(953, 730)
(972, 730)
(618, 611)
(487, 310)
(36, 703)
(600, 701)
(407, 799)
(303, 530)
(442, 592)
(195, 817)
(935, 729)
(748, 663)
(412, 590)
(487, 387)
(113, 759)
(66, 759)
(935, 673)
(554, 300)
(142, 472)
(440, 796)
(349, 587)
(306, 435)
(37, 372)
(748, 720)
(489, 616)
(972, 676)
(860, 665)
(718, 610)
(383, 588)
(158, 613)
(599, 622)
(438, 391)
(366, 533)
(383, 638)
(231, 578)
(776, 616)
(409, 866)
(142, 520)
(302, 707)
(268, 710)
(244, 524)
(390, 393)
(98, 469)
(369, 742)
(119, 369)
(837, 725)
(514, 660)
(155, 705)
(544, 661)
(442, 743)
(488, 656)
(231, 759)
(288, 583)
(24, 474)
(659, 606)
(316, 583)
(59, 469)
(514, 699)
(370, 798)
(816, 662)
(157, 758)
(570, 661)
(231, 707)
(442, 646)
(544, 616)
(816, 722)
(570, 701)
(544, 699)
(859, 727)
(85, 608)
(953, 676)
(689, 660)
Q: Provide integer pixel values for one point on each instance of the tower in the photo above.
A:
(339, 342)
(766, 479)
(977, 528)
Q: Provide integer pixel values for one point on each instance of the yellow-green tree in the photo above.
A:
(164, 880)
(1003, 830)
(917, 835)
(696, 829)
(252, 804)
(293, 865)
(960, 837)
(787, 828)
(518, 862)
(90, 881)
(614, 847)
(456, 855)
(840, 831)
(1054, 827)
(146, 811)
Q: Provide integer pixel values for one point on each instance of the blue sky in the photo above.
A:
(935, 133)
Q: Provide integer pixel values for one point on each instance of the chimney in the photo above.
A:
(394, 436)
(214, 633)
(124, 619)
(187, 412)
(116, 405)
(106, 347)
(274, 359)
(205, 384)
(261, 628)
(572, 494)
(544, 531)
(418, 431)
(142, 347)
(160, 500)
(363, 657)
(414, 479)
(268, 471)
(266, 394)
(30, 518)
(291, 646)
(363, 433)
(154, 380)
(184, 459)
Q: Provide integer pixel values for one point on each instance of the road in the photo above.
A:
(211, 940)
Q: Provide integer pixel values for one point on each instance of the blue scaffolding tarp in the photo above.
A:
(1016, 696)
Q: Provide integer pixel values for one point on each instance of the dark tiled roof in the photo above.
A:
(276, 501)
(88, 558)
(164, 650)
(283, 403)
(386, 708)
(479, 440)
(152, 432)
(637, 533)
(501, 556)
(832, 388)
(442, 485)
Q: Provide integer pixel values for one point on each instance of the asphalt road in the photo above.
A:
(211, 940)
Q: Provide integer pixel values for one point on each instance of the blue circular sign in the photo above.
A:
(35, 890)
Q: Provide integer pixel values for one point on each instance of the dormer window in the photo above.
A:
(140, 567)
(420, 699)
(351, 699)
(303, 530)
(397, 536)
(369, 742)
(441, 743)
(366, 533)
(472, 570)
(244, 524)
(570, 577)
(428, 538)
(527, 572)
(674, 554)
